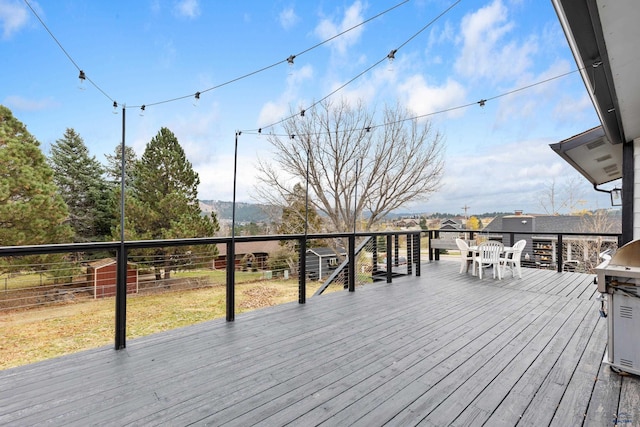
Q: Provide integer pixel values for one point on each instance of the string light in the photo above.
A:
(391, 57)
(482, 102)
(288, 60)
(302, 113)
(142, 110)
(387, 57)
(82, 77)
(196, 99)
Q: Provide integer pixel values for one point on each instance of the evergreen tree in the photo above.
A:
(297, 210)
(114, 164)
(31, 210)
(165, 188)
(79, 178)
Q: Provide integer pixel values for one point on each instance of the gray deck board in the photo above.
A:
(441, 349)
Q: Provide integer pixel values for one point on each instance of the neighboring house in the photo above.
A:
(450, 224)
(258, 250)
(321, 262)
(406, 223)
(541, 250)
(102, 276)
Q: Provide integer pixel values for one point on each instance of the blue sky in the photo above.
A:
(149, 51)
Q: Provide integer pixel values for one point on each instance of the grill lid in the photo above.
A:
(627, 255)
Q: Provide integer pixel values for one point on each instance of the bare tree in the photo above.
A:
(590, 247)
(353, 166)
(565, 197)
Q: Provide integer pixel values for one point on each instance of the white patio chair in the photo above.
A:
(488, 255)
(466, 257)
(512, 259)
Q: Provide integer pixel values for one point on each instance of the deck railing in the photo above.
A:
(588, 245)
(124, 255)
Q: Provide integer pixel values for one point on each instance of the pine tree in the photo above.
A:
(165, 187)
(298, 211)
(114, 164)
(31, 210)
(80, 181)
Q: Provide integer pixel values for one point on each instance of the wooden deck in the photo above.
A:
(442, 349)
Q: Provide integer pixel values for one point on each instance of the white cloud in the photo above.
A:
(13, 16)
(288, 18)
(15, 102)
(422, 98)
(570, 109)
(485, 51)
(441, 34)
(503, 177)
(327, 28)
(187, 8)
(274, 111)
(527, 107)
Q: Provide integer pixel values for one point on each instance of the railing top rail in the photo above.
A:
(137, 244)
(537, 233)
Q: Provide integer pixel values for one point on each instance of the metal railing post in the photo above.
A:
(121, 298)
(559, 258)
(231, 281)
(352, 263)
(302, 275)
(389, 260)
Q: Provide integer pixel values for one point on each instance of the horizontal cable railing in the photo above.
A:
(238, 270)
(565, 251)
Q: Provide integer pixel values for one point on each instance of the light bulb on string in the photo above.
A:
(391, 57)
(115, 107)
(290, 62)
(81, 78)
(142, 108)
(259, 132)
(196, 99)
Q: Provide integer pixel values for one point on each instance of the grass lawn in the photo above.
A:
(37, 334)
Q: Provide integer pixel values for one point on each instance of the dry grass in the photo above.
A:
(38, 334)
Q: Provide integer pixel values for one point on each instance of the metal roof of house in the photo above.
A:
(547, 224)
(325, 251)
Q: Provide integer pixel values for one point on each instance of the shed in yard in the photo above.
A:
(321, 262)
(102, 276)
(259, 252)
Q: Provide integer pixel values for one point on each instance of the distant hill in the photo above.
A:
(245, 212)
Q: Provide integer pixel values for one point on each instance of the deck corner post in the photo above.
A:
(121, 299)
